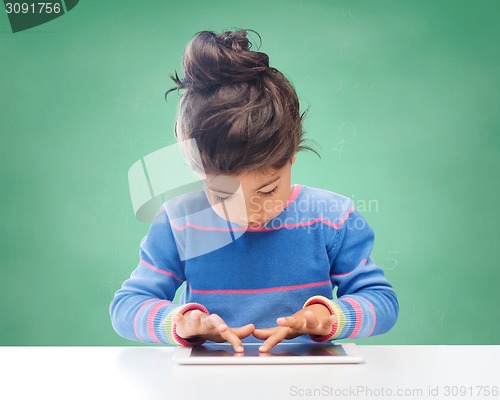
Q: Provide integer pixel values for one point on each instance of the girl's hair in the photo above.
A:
(242, 113)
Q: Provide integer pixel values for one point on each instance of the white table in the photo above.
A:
(149, 373)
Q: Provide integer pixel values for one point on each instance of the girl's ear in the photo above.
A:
(293, 158)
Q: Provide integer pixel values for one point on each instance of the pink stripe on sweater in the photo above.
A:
(287, 226)
(265, 290)
(161, 271)
(151, 318)
(374, 317)
(201, 228)
(339, 275)
(350, 272)
(137, 314)
(359, 315)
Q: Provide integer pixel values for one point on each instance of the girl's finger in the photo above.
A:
(274, 339)
(190, 319)
(244, 331)
(195, 314)
(311, 320)
(180, 320)
(333, 318)
(213, 322)
(184, 327)
(291, 322)
(324, 327)
(328, 322)
(177, 318)
(263, 333)
(232, 338)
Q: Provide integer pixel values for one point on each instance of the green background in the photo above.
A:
(404, 104)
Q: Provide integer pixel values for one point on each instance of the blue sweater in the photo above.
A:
(318, 242)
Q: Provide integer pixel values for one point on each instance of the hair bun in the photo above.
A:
(235, 40)
(212, 59)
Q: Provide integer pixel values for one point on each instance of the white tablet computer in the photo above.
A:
(282, 353)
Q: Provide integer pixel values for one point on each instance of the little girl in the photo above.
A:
(260, 256)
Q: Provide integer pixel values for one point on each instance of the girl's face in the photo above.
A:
(250, 199)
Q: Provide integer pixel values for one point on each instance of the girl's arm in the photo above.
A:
(142, 310)
(367, 304)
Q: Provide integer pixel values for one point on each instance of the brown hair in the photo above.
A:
(242, 113)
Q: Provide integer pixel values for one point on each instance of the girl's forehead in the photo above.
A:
(223, 183)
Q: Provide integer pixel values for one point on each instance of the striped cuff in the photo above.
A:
(171, 326)
(334, 310)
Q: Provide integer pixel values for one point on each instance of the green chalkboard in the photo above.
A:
(404, 108)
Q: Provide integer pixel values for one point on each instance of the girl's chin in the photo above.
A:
(258, 224)
(254, 225)
(251, 224)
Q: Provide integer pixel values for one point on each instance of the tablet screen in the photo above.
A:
(299, 349)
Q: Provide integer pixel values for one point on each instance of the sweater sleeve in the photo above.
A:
(142, 308)
(366, 303)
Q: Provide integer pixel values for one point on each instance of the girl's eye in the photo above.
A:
(269, 193)
(219, 199)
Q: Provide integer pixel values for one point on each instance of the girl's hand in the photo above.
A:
(210, 327)
(313, 320)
